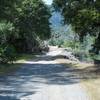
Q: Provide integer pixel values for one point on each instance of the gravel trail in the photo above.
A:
(42, 79)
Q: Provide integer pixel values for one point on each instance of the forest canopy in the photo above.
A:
(84, 16)
(23, 24)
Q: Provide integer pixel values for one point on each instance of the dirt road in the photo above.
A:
(42, 79)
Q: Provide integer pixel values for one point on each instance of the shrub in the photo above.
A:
(7, 54)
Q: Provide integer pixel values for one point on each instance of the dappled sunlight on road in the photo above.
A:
(42, 79)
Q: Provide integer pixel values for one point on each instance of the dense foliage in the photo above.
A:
(23, 25)
(84, 16)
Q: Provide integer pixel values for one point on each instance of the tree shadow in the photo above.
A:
(8, 98)
(46, 58)
(29, 78)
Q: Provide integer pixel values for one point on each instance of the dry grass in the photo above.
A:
(90, 76)
(93, 88)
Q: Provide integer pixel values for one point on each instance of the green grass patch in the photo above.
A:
(25, 57)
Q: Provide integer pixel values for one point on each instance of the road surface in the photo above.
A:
(42, 79)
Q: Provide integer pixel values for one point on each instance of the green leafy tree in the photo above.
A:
(84, 16)
(24, 24)
(33, 23)
(29, 20)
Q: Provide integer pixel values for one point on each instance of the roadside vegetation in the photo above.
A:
(24, 25)
(83, 17)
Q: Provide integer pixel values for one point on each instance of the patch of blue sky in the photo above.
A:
(48, 2)
(56, 20)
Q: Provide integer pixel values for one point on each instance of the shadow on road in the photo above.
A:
(28, 79)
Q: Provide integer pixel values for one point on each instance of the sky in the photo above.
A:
(56, 19)
(48, 2)
(57, 22)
